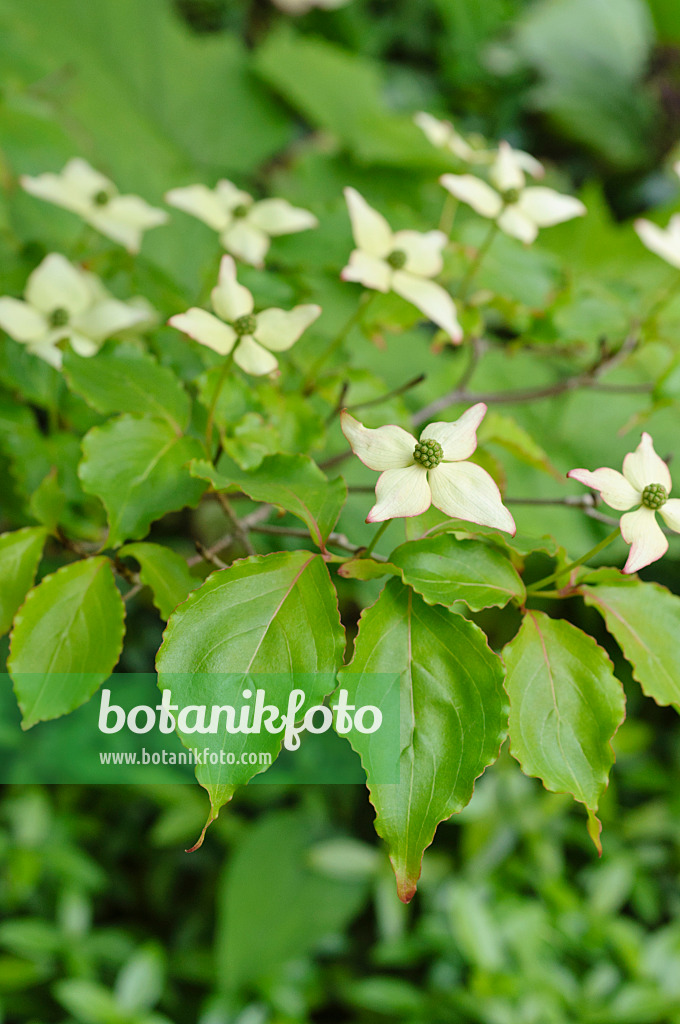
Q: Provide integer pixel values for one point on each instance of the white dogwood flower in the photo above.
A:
(63, 303)
(664, 242)
(443, 135)
(518, 209)
(253, 337)
(82, 190)
(643, 487)
(399, 261)
(245, 226)
(433, 470)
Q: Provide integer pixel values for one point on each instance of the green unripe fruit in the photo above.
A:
(428, 453)
(654, 496)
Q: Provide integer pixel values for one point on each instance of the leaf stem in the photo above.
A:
(376, 537)
(573, 565)
(228, 362)
(475, 264)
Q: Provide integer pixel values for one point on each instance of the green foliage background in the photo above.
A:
(282, 917)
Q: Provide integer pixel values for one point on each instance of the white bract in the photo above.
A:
(518, 209)
(63, 303)
(399, 261)
(245, 226)
(83, 190)
(432, 470)
(443, 135)
(665, 242)
(643, 487)
(252, 337)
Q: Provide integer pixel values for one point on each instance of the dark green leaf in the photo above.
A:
(644, 619)
(453, 717)
(273, 615)
(565, 706)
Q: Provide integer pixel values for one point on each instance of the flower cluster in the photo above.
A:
(63, 303)
(399, 261)
(252, 338)
(434, 470)
(517, 208)
(640, 491)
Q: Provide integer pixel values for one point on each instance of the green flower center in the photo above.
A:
(654, 496)
(101, 198)
(59, 317)
(245, 324)
(428, 453)
(239, 211)
(397, 259)
(511, 196)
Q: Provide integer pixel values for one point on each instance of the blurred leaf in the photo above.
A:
(342, 92)
(591, 56)
(47, 503)
(502, 430)
(120, 90)
(140, 983)
(260, 926)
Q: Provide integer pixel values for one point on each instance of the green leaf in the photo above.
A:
(20, 553)
(591, 59)
(259, 927)
(48, 501)
(343, 94)
(293, 482)
(453, 717)
(644, 619)
(565, 707)
(137, 468)
(445, 570)
(506, 432)
(165, 572)
(115, 95)
(274, 614)
(366, 569)
(130, 381)
(66, 639)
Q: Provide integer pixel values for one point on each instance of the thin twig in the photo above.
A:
(209, 556)
(247, 522)
(336, 540)
(588, 378)
(390, 394)
(240, 532)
